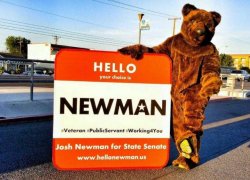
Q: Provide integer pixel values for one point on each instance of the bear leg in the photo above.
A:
(187, 118)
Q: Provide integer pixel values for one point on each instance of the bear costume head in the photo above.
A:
(198, 25)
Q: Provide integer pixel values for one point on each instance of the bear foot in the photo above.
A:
(187, 150)
(184, 163)
(181, 163)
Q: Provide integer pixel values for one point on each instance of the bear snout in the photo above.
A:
(200, 32)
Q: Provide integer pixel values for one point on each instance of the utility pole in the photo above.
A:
(20, 45)
(140, 15)
(174, 19)
(56, 38)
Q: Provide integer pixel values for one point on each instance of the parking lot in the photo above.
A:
(240, 84)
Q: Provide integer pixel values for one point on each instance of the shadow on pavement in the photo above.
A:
(24, 145)
(27, 144)
(220, 140)
(219, 111)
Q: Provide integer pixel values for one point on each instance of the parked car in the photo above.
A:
(5, 73)
(26, 73)
(36, 73)
(241, 75)
(225, 72)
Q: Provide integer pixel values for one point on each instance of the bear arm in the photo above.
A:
(134, 48)
(165, 47)
(136, 51)
(210, 76)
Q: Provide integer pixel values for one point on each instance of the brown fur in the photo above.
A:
(196, 77)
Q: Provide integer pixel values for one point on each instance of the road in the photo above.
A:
(26, 84)
(25, 151)
(47, 81)
(25, 78)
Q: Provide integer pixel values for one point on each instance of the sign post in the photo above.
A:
(111, 111)
(144, 25)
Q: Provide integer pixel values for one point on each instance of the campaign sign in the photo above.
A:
(111, 111)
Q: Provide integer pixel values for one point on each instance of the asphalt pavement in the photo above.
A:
(25, 151)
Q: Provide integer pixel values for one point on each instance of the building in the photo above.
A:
(241, 60)
(12, 67)
(47, 52)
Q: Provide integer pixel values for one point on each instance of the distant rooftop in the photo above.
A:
(62, 46)
(8, 55)
(240, 54)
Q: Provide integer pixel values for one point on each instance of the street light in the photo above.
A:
(140, 16)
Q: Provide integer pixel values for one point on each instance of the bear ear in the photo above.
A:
(187, 8)
(216, 17)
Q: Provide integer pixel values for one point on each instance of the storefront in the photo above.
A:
(46, 52)
(241, 60)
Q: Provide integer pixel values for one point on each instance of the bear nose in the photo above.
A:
(200, 32)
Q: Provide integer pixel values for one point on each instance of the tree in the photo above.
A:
(17, 45)
(226, 60)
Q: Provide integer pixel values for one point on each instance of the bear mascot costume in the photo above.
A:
(195, 78)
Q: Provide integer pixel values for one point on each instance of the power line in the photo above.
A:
(46, 34)
(228, 36)
(62, 32)
(114, 5)
(56, 30)
(57, 15)
(122, 7)
(65, 36)
(137, 7)
(10, 26)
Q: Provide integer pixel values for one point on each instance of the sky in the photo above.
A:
(112, 24)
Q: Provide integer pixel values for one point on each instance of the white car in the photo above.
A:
(241, 75)
(5, 73)
(225, 72)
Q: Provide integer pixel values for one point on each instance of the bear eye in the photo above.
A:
(192, 20)
(210, 25)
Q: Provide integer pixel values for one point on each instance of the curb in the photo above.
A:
(21, 119)
(221, 99)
